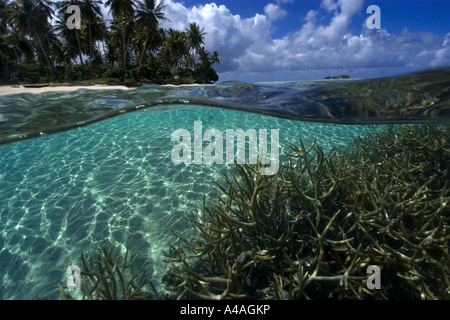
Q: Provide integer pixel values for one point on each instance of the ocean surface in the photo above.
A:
(81, 166)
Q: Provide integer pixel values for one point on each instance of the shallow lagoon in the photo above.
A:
(62, 193)
(114, 179)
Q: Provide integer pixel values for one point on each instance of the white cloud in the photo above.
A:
(229, 34)
(329, 5)
(248, 50)
(284, 1)
(274, 12)
(442, 56)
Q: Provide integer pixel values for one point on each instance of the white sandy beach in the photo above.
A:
(13, 89)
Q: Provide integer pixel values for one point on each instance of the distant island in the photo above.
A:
(344, 76)
(37, 45)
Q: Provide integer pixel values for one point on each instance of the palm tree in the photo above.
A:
(123, 12)
(195, 36)
(204, 56)
(10, 53)
(31, 17)
(71, 39)
(115, 42)
(91, 11)
(5, 46)
(120, 7)
(175, 48)
(98, 33)
(27, 36)
(10, 46)
(215, 58)
(66, 33)
(148, 16)
(4, 17)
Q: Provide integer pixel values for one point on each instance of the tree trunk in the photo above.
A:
(143, 52)
(80, 53)
(90, 42)
(124, 54)
(44, 54)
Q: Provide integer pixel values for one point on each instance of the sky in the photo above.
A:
(288, 40)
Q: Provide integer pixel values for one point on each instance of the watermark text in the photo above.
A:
(214, 152)
(374, 21)
(74, 21)
(374, 280)
(74, 280)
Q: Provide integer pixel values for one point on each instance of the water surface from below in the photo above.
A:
(115, 179)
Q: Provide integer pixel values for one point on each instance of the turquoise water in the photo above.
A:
(115, 179)
(422, 97)
(80, 166)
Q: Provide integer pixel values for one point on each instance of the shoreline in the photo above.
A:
(61, 87)
(17, 89)
(10, 89)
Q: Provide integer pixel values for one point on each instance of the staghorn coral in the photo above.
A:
(311, 231)
(111, 277)
(403, 204)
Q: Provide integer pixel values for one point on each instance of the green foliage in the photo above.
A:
(37, 30)
(8, 68)
(30, 72)
(204, 73)
(113, 73)
(344, 76)
(74, 73)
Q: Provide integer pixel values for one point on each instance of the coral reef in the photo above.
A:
(312, 231)
(112, 277)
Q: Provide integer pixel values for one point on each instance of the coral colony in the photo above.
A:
(112, 277)
(317, 228)
(368, 222)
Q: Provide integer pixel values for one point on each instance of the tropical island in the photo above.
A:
(37, 46)
(343, 76)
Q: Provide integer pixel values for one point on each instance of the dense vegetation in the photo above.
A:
(344, 76)
(37, 46)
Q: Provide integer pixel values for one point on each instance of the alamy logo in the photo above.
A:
(374, 21)
(213, 153)
(74, 280)
(374, 280)
(74, 21)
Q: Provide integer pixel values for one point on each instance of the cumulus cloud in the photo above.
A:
(229, 34)
(247, 48)
(274, 12)
(442, 56)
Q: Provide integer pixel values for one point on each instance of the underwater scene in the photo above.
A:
(284, 190)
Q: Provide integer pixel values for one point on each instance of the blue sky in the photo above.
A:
(275, 40)
(432, 16)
